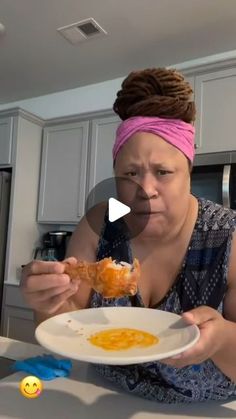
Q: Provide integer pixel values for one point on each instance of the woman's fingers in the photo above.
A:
(200, 315)
(42, 282)
(71, 261)
(53, 304)
(45, 295)
(37, 267)
(211, 325)
(45, 286)
(39, 275)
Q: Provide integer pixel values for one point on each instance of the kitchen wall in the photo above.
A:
(94, 97)
(23, 228)
(85, 99)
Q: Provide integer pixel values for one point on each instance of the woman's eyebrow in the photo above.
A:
(160, 165)
(135, 165)
(131, 165)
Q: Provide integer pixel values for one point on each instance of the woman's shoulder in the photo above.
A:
(214, 216)
(85, 238)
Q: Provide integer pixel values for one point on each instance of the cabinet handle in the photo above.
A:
(196, 146)
(225, 186)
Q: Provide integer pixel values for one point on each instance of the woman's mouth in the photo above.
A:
(147, 214)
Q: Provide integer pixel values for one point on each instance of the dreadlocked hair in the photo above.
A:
(155, 92)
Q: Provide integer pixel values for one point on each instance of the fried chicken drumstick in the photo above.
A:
(107, 277)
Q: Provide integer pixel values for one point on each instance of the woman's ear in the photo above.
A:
(114, 168)
(190, 166)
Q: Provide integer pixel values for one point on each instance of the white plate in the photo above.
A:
(67, 334)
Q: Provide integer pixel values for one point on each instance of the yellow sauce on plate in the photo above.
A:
(122, 338)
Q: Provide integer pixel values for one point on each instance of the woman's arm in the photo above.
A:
(217, 333)
(225, 359)
(83, 245)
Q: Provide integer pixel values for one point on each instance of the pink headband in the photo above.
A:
(175, 131)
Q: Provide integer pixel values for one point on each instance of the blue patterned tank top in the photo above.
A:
(202, 280)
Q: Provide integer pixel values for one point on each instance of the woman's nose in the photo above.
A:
(149, 187)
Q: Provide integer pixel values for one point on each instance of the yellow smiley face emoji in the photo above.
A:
(31, 387)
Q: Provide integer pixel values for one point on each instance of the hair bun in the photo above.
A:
(155, 92)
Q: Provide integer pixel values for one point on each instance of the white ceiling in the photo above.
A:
(36, 60)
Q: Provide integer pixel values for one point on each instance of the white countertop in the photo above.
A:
(86, 395)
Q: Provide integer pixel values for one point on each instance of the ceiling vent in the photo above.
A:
(82, 31)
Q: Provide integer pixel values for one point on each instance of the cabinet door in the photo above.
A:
(101, 163)
(6, 138)
(215, 96)
(191, 80)
(63, 173)
(19, 324)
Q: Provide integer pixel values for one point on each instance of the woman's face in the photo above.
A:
(162, 201)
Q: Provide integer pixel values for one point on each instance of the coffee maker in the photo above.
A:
(54, 244)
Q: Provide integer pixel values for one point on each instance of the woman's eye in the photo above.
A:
(131, 173)
(163, 172)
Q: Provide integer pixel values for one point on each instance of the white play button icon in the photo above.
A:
(116, 209)
(107, 197)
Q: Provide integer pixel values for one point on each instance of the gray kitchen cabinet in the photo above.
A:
(6, 140)
(23, 231)
(63, 173)
(100, 158)
(75, 157)
(17, 317)
(19, 324)
(191, 80)
(23, 132)
(215, 97)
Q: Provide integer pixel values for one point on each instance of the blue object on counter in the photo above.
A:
(45, 367)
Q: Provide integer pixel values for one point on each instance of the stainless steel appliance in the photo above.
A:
(5, 186)
(54, 244)
(214, 177)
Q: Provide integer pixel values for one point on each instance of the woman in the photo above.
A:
(187, 249)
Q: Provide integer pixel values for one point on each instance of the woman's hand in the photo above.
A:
(46, 287)
(212, 337)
